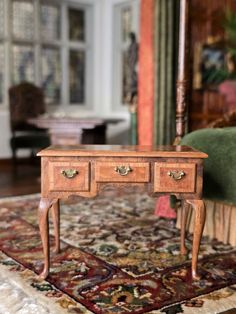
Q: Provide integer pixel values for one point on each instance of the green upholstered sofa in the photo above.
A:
(220, 167)
(219, 185)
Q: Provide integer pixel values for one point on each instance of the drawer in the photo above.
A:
(122, 172)
(175, 177)
(68, 176)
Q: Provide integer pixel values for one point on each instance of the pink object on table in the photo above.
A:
(163, 208)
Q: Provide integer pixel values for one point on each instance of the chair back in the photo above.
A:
(26, 101)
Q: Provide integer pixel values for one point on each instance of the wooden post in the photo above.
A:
(183, 71)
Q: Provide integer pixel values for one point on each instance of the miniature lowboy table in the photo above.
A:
(84, 170)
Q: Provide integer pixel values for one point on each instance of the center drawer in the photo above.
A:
(68, 176)
(122, 172)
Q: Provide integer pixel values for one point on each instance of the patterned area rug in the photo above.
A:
(116, 258)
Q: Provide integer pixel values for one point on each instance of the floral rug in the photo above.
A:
(117, 257)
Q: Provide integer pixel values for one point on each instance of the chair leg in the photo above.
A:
(32, 154)
(14, 158)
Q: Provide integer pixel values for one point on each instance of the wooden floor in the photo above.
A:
(21, 180)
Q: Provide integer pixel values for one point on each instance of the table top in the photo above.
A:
(120, 151)
(78, 122)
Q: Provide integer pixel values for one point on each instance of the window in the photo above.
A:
(47, 43)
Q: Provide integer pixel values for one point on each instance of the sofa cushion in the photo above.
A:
(220, 167)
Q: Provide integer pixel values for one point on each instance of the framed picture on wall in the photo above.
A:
(209, 66)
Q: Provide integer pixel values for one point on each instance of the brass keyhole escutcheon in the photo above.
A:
(176, 175)
(123, 170)
(69, 173)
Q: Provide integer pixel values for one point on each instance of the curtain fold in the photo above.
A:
(166, 18)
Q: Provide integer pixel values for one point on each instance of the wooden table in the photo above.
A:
(71, 131)
(85, 170)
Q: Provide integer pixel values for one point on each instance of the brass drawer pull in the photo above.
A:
(123, 170)
(176, 175)
(69, 173)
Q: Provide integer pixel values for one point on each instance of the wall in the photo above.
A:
(206, 22)
(103, 78)
(4, 134)
(146, 70)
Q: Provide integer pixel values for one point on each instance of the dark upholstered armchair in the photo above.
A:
(26, 101)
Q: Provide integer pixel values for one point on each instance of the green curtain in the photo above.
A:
(166, 55)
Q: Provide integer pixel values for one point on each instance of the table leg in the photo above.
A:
(43, 209)
(184, 212)
(200, 215)
(56, 224)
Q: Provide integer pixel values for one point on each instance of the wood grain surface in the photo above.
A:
(85, 170)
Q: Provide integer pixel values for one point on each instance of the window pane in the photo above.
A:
(23, 64)
(51, 75)
(1, 72)
(23, 19)
(50, 22)
(1, 18)
(77, 76)
(76, 25)
(126, 23)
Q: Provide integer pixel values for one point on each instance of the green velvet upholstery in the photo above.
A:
(220, 167)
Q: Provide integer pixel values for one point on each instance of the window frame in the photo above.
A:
(62, 45)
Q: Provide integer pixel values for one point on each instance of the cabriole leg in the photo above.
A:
(43, 209)
(184, 213)
(200, 215)
(56, 224)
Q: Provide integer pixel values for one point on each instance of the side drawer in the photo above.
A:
(122, 172)
(68, 176)
(175, 177)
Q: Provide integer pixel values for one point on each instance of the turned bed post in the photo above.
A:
(183, 71)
